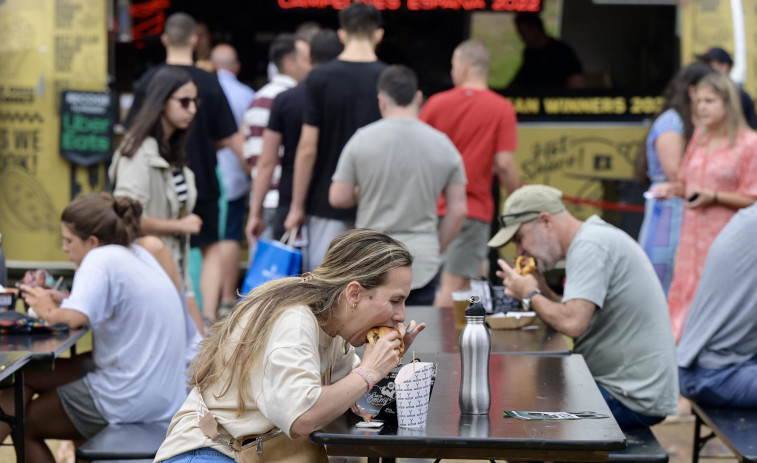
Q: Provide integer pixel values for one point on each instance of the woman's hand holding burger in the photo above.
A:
(386, 345)
(382, 351)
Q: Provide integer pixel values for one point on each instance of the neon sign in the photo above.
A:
(149, 17)
(421, 5)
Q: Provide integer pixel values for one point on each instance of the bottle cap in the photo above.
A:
(475, 308)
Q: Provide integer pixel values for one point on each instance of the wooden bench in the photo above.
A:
(139, 441)
(642, 446)
(736, 427)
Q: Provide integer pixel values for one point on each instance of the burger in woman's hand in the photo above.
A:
(376, 332)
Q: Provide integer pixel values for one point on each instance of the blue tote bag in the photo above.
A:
(272, 260)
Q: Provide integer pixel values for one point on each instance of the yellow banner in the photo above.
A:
(705, 24)
(576, 158)
(46, 47)
(750, 31)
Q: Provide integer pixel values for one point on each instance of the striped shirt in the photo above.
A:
(181, 186)
(255, 121)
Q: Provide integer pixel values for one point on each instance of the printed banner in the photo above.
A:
(46, 47)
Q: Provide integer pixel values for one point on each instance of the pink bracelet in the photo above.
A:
(363, 374)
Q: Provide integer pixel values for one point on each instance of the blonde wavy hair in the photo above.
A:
(722, 86)
(361, 255)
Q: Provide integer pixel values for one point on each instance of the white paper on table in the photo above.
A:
(413, 392)
(513, 314)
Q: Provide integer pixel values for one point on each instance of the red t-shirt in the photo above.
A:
(479, 123)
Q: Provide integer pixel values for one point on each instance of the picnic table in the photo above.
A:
(518, 383)
(24, 352)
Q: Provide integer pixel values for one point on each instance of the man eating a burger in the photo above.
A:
(612, 305)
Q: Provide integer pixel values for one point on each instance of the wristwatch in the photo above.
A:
(527, 300)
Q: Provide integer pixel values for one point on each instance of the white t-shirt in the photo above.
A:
(139, 346)
(299, 358)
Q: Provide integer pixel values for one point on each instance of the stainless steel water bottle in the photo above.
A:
(475, 348)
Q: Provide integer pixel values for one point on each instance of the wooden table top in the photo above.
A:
(518, 382)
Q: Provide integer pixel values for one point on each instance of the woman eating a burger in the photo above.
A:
(283, 364)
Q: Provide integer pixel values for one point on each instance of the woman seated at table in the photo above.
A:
(135, 370)
(285, 358)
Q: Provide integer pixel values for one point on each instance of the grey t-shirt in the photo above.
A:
(401, 166)
(721, 327)
(629, 344)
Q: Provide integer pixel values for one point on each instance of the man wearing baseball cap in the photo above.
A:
(721, 61)
(612, 304)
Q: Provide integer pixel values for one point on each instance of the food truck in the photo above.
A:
(65, 67)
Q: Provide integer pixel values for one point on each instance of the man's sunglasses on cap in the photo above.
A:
(505, 217)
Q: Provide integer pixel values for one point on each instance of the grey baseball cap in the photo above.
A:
(524, 205)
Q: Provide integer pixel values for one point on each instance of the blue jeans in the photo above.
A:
(626, 417)
(203, 455)
(734, 386)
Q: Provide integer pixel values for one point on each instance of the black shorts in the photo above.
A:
(209, 234)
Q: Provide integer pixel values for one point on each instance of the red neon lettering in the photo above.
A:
(449, 4)
(149, 17)
(516, 5)
(474, 5)
(421, 4)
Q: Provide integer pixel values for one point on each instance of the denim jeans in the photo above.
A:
(203, 455)
(733, 386)
(626, 417)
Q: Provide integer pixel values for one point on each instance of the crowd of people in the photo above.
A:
(392, 197)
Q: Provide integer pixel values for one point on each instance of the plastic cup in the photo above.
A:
(413, 394)
(460, 301)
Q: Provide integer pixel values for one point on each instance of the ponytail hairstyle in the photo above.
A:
(111, 220)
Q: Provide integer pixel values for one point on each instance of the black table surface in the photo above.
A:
(11, 362)
(518, 382)
(735, 426)
(44, 347)
(440, 335)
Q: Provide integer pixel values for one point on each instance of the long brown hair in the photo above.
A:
(147, 121)
(361, 255)
(111, 220)
(677, 98)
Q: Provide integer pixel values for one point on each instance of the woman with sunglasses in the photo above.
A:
(150, 164)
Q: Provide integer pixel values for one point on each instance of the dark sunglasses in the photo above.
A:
(504, 218)
(186, 100)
